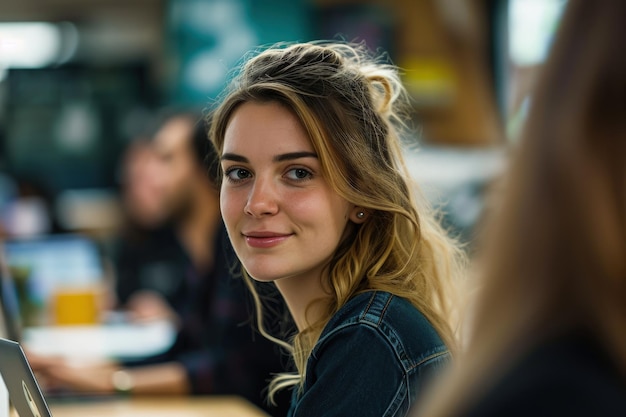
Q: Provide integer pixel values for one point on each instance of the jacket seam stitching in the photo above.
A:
(369, 305)
(382, 313)
(428, 358)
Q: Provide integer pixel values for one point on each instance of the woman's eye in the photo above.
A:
(237, 174)
(299, 174)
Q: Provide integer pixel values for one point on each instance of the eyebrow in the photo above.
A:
(278, 158)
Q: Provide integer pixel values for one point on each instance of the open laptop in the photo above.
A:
(16, 377)
(24, 392)
(97, 341)
(10, 320)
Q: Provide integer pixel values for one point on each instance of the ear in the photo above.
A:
(358, 215)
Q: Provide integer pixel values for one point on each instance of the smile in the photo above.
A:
(265, 240)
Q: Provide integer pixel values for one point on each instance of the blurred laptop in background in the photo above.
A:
(59, 278)
(10, 320)
(52, 302)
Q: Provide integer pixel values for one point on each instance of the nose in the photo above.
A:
(262, 199)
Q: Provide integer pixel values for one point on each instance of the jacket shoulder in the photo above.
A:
(395, 320)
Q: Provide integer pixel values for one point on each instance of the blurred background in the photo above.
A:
(81, 80)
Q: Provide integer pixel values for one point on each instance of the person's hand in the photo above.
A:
(145, 306)
(81, 375)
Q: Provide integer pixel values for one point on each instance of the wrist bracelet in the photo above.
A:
(122, 382)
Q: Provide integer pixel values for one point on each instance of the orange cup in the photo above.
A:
(76, 306)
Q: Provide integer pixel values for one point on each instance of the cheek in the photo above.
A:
(230, 206)
(324, 211)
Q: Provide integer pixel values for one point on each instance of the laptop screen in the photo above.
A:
(10, 320)
(39, 266)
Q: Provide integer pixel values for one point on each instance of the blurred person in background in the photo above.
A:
(548, 337)
(216, 350)
(140, 188)
(27, 211)
(171, 202)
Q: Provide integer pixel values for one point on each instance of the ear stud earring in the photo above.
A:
(360, 214)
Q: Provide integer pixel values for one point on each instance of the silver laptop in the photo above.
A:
(24, 392)
(15, 372)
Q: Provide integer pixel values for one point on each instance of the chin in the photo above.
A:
(264, 274)
(262, 269)
(262, 277)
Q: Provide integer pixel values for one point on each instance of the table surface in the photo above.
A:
(210, 406)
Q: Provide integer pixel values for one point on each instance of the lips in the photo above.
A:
(265, 240)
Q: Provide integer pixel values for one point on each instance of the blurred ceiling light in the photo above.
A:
(36, 44)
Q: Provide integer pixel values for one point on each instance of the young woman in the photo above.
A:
(316, 199)
(549, 334)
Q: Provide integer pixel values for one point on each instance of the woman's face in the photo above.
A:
(282, 217)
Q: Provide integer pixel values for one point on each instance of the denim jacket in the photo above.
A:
(372, 359)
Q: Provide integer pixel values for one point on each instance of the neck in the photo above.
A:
(301, 295)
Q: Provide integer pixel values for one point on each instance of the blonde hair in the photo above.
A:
(354, 109)
(554, 262)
